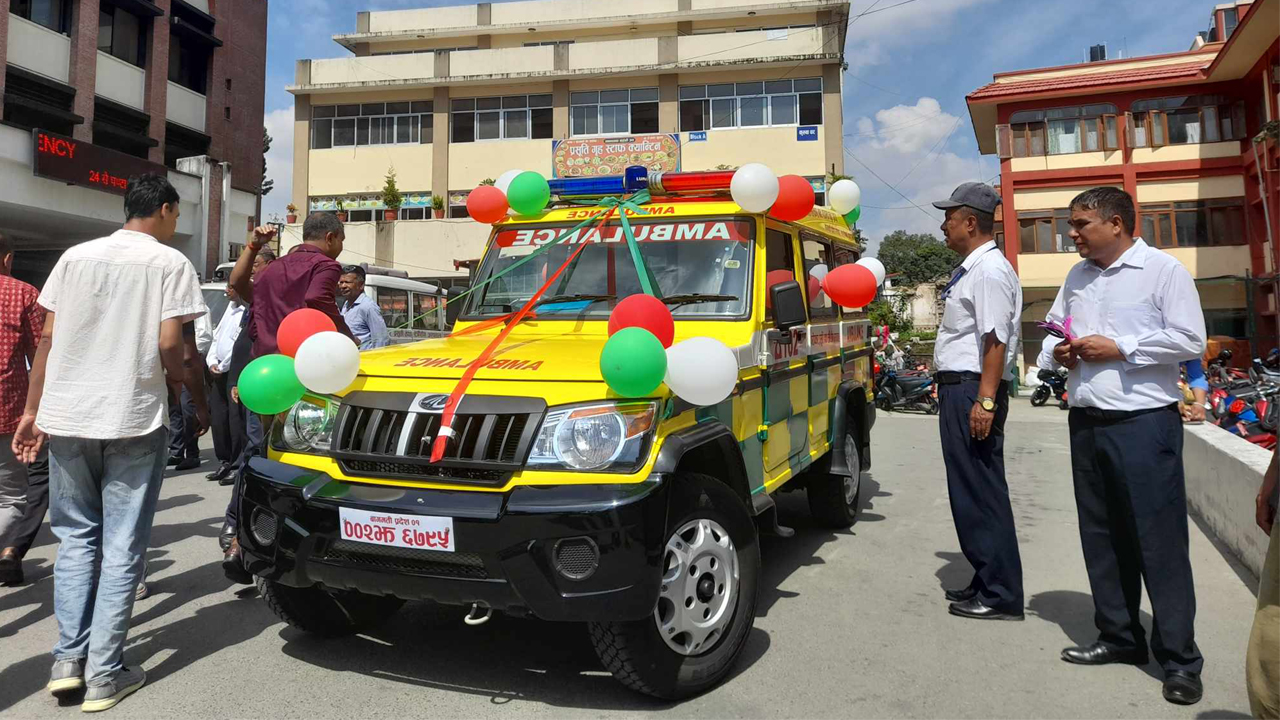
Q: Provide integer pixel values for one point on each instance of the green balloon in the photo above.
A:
(633, 362)
(853, 215)
(529, 193)
(269, 385)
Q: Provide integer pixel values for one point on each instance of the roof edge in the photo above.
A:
(1207, 49)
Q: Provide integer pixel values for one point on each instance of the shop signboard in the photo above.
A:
(598, 157)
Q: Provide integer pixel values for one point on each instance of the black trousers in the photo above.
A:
(182, 426)
(1132, 501)
(980, 496)
(226, 419)
(37, 503)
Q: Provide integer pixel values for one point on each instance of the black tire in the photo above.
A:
(318, 611)
(1040, 396)
(930, 405)
(637, 654)
(829, 495)
(1064, 405)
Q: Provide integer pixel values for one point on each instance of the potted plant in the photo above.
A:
(391, 198)
(488, 181)
(291, 215)
(437, 204)
(342, 212)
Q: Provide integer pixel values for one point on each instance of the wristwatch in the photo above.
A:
(988, 404)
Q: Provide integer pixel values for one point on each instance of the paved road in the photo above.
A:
(850, 624)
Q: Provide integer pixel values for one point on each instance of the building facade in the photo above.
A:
(449, 97)
(97, 90)
(1186, 134)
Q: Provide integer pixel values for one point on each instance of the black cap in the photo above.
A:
(976, 195)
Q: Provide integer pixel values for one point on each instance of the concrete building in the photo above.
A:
(97, 90)
(1185, 133)
(452, 96)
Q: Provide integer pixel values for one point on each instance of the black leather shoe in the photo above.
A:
(973, 608)
(225, 537)
(233, 565)
(173, 460)
(1183, 688)
(216, 476)
(228, 479)
(959, 596)
(190, 463)
(1100, 654)
(10, 571)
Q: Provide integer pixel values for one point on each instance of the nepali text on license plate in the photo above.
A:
(418, 532)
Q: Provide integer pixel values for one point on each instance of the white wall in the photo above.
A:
(120, 81)
(1224, 473)
(38, 49)
(186, 107)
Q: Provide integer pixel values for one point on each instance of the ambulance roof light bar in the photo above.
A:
(638, 178)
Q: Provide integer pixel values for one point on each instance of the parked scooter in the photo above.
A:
(1052, 385)
(903, 391)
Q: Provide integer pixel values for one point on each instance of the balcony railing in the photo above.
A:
(120, 81)
(36, 48)
(186, 107)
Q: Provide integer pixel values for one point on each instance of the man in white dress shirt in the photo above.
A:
(973, 357)
(1135, 315)
(228, 426)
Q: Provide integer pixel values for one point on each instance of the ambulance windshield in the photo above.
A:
(702, 267)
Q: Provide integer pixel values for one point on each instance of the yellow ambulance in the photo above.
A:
(558, 499)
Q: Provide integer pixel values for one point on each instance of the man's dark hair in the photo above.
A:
(146, 194)
(267, 255)
(1109, 202)
(354, 270)
(986, 220)
(320, 224)
(6, 246)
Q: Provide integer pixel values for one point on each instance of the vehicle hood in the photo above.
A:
(556, 358)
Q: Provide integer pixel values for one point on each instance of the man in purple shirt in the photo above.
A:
(306, 277)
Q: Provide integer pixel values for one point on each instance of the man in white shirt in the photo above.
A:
(113, 339)
(228, 425)
(1135, 316)
(973, 357)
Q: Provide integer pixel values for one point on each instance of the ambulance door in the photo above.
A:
(786, 392)
(824, 339)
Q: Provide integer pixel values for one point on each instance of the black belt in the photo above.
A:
(1101, 414)
(947, 377)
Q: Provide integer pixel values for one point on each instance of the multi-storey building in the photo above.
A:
(1186, 134)
(449, 97)
(97, 90)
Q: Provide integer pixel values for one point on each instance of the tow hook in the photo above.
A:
(473, 618)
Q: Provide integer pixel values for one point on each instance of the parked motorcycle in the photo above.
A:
(905, 391)
(1052, 385)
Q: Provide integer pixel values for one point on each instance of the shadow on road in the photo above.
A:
(1073, 612)
(956, 574)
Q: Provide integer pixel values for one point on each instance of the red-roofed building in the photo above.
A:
(1183, 133)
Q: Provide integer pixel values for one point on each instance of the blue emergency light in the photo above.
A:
(635, 178)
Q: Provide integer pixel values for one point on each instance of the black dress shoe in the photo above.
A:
(223, 470)
(1183, 688)
(1100, 654)
(973, 608)
(225, 537)
(228, 479)
(190, 463)
(173, 460)
(959, 596)
(10, 571)
(233, 565)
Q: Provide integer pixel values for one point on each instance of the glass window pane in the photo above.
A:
(1112, 125)
(782, 109)
(397, 108)
(539, 101)
(375, 130)
(1226, 127)
(1045, 242)
(344, 132)
(426, 128)
(463, 127)
(1192, 228)
(1092, 138)
(1211, 124)
(540, 121)
(362, 131)
(1027, 235)
(367, 109)
(514, 101)
(724, 90)
(1164, 226)
(693, 92)
(615, 119)
(1035, 135)
(463, 104)
(724, 113)
(1019, 133)
(488, 126)
(644, 95)
(1148, 229)
(1157, 129)
(810, 108)
(752, 111)
(1139, 129)
(586, 120)
(321, 134)
(1184, 126)
(1064, 137)
(614, 96)
(777, 87)
(1061, 233)
(809, 85)
(125, 37)
(515, 124)
(322, 111)
(489, 103)
(104, 27)
(584, 98)
(751, 88)
(421, 106)
(348, 110)
(644, 117)
(693, 115)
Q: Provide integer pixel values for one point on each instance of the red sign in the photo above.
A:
(76, 162)
(727, 230)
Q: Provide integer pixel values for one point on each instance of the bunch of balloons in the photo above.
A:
(515, 192)
(641, 354)
(313, 356)
(854, 286)
(789, 198)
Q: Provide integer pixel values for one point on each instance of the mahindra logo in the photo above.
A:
(434, 403)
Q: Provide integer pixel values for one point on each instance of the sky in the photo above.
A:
(908, 136)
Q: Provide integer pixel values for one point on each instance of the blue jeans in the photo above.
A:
(103, 499)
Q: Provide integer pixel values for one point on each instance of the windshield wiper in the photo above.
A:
(589, 299)
(694, 298)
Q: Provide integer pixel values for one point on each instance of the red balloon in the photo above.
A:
(487, 204)
(644, 311)
(299, 325)
(795, 199)
(852, 286)
(815, 287)
(773, 277)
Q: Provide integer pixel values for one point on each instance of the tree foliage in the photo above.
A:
(267, 184)
(915, 257)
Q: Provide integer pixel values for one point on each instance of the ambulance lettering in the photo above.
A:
(531, 365)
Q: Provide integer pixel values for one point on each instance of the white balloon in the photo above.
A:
(701, 370)
(327, 362)
(819, 271)
(754, 187)
(504, 180)
(844, 196)
(875, 266)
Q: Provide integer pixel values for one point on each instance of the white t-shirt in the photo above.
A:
(104, 379)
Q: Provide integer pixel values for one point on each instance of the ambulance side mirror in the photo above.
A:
(454, 308)
(788, 305)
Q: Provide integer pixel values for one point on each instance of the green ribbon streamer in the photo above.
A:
(631, 203)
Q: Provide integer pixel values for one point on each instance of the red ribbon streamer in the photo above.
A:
(450, 409)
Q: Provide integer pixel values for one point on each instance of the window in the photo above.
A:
(778, 255)
(458, 204)
(394, 304)
(1201, 223)
(120, 34)
(226, 112)
(426, 313)
(359, 215)
(1230, 19)
(426, 51)
(1060, 131)
(751, 104)
(819, 185)
(413, 213)
(817, 252)
(1233, 323)
(548, 42)
(53, 14)
(516, 117)
(189, 64)
(614, 112)
(392, 123)
(1185, 121)
(1045, 231)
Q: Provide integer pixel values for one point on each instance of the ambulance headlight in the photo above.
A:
(604, 437)
(308, 427)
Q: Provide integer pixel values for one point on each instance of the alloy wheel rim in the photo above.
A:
(700, 587)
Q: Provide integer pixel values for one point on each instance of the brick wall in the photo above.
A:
(242, 28)
(84, 64)
(156, 101)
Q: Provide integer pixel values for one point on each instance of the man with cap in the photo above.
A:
(973, 357)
